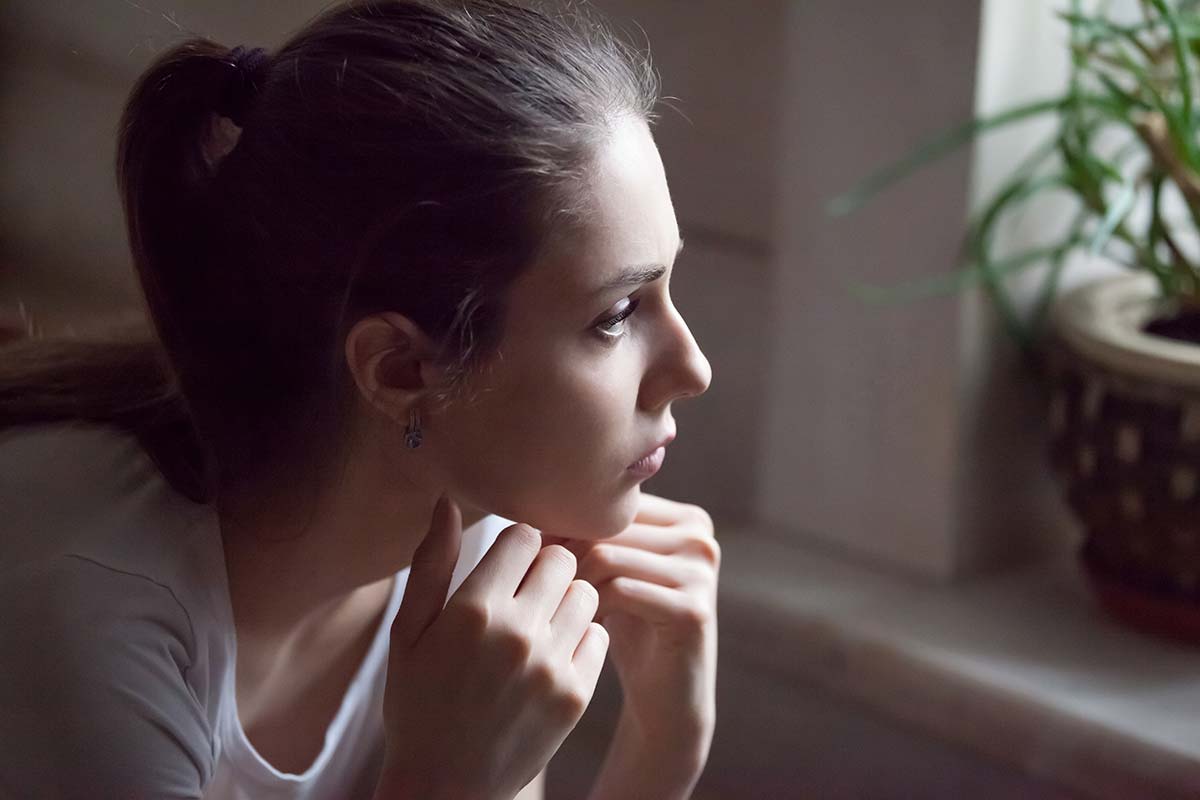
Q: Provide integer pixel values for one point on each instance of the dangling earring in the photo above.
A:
(412, 432)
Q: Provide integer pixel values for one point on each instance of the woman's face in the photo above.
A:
(577, 394)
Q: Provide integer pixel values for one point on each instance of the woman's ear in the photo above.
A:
(391, 360)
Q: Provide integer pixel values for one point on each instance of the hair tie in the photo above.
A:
(242, 87)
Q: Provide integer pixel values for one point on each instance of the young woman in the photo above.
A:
(408, 278)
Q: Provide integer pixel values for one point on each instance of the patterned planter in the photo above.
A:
(1125, 425)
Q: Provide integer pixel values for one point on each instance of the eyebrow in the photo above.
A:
(637, 274)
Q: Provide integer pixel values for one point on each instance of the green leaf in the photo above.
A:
(1184, 78)
(1117, 211)
(1093, 30)
(931, 150)
(1179, 121)
(1040, 310)
(1178, 269)
(1013, 192)
(970, 275)
(979, 244)
(1128, 101)
(1155, 228)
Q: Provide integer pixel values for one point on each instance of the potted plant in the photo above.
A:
(1121, 355)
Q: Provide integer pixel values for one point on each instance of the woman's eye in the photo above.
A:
(608, 326)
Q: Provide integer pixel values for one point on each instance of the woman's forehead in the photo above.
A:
(630, 223)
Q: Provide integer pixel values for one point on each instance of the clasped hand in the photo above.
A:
(657, 582)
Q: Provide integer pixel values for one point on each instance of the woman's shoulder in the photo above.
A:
(77, 610)
(60, 482)
(90, 620)
(94, 537)
(102, 677)
(92, 491)
(111, 643)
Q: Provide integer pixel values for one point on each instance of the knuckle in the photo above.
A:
(524, 536)
(560, 555)
(701, 516)
(513, 646)
(694, 618)
(589, 593)
(710, 550)
(599, 637)
(586, 598)
(473, 616)
(699, 575)
(571, 704)
(542, 678)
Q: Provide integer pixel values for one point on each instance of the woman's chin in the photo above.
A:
(591, 516)
(592, 524)
(619, 517)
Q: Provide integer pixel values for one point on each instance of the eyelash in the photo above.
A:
(607, 325)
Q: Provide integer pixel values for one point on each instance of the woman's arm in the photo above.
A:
(658, 594)
(393, 787)
(535, 789)
(664, 769)
(94, 699)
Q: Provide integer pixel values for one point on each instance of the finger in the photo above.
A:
(430, 573)
(655, 538)
(576, 611)
(607, 561)
(578, 547)
(504, 565)
(542, 590)
(588, 659)
(655, 510)
(659, 605)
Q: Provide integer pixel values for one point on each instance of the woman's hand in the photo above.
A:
(657, 582)
(482, 692)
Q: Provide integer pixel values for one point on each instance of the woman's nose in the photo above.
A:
(681, 369)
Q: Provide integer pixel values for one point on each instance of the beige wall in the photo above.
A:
(908, 434)
(863, 401)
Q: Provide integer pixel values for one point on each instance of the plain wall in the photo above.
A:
(860, 442)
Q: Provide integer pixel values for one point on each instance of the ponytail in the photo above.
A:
(122, 375)
(118, 377)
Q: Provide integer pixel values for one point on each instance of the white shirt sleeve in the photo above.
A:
(94, 700)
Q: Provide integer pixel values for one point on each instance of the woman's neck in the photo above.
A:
(293, 562)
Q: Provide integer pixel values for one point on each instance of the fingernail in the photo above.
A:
(444, 507)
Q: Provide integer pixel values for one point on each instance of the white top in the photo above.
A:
(117, 644)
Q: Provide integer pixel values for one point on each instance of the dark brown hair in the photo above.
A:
(403, 155)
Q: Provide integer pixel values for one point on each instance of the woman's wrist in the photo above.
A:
(663, 765)
(396, 784)
(687, 736)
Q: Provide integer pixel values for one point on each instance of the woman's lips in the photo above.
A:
(648, 465)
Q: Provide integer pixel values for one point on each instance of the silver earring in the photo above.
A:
(412, 432)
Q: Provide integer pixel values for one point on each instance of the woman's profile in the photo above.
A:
(357, 513)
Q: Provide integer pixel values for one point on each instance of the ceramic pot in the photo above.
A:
(1125, 443)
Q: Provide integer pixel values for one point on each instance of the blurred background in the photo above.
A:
(899, 613)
